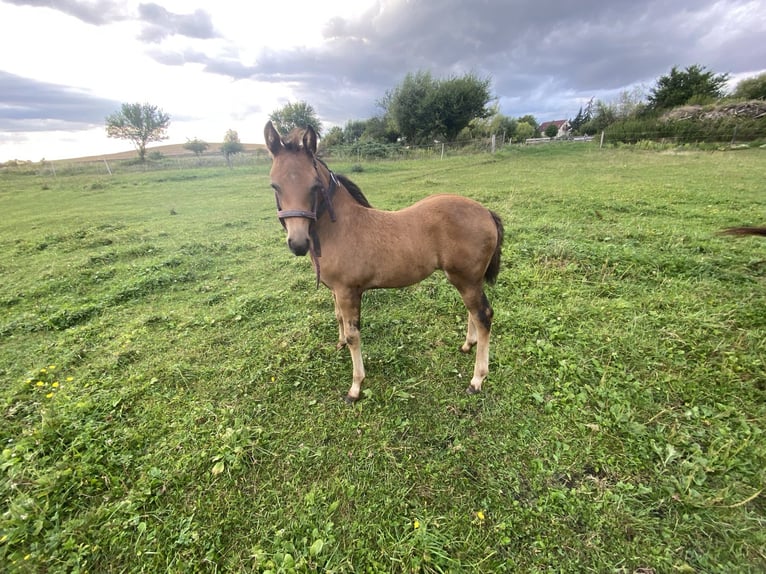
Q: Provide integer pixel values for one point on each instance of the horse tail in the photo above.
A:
(490, 275)
(745, 231)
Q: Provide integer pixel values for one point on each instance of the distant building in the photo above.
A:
(562, 125)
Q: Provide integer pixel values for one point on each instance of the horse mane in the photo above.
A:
(353, 190)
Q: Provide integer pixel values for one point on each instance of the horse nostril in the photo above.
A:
(298, 247)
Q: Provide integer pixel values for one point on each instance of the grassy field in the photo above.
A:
(171, 396)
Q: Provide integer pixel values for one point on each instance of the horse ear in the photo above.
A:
(310, 140)
(273, 140)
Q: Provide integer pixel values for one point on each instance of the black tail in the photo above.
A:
(745, 231)
(490, 275)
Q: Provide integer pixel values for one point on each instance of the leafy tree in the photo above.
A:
(495, 123)
(295, 115)
(458, 101)
(525, 130)
(231, 146)
(531, 120)
(139, 123)
(354, 130)
(751, 88)
(681, 87)
(196, 146)
(334, 137)
(424, 108)
(603, 115)
(410, 107)
(577, 122)
(551, 130)
(380, 129)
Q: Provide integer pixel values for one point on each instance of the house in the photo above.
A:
(562, 125)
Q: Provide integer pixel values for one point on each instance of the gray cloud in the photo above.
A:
(162, 23)
(545, 57)
(30, 105)
(97, 12)
(159, 23)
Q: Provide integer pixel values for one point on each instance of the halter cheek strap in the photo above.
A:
(315, 249)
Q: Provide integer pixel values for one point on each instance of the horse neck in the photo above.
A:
(347, 211)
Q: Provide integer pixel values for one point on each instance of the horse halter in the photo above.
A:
(314, 214)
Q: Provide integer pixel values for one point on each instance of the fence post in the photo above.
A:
(602, 140)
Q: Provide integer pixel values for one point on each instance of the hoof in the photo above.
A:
(472, 391)
(466, 348)
(340, 345)
(349, 400)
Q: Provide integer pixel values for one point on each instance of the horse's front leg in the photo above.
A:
(339, 318)
(349, 302)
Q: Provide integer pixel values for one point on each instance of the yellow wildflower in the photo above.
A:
(52, 367)
(69, 379)
(49, 396)
(480, 515)
(40, 384)
(55, 384)
(416, 524)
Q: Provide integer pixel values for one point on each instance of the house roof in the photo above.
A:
(557, 123)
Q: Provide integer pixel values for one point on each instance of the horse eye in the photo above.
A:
(276, 188)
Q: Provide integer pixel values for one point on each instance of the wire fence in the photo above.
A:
(734, 135)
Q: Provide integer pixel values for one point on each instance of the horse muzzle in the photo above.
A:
(299, 246)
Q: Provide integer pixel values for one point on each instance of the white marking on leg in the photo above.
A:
(354, 342)
(470, 336)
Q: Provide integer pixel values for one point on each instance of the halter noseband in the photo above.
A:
(327, 193)
(315, 213)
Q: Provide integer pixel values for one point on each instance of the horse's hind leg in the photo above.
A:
(348, 304)
(470, 336)
(479, 325)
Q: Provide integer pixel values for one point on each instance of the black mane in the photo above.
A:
(354, 190)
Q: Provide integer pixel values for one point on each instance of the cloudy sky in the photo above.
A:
(214, 66)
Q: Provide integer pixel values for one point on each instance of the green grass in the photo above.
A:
(171, 396)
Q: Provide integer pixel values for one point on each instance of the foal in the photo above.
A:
(354, 247)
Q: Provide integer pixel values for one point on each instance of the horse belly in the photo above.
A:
(401, 264)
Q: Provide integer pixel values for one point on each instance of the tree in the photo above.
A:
(524, 130)
(551, 131)
(424, 108)
(196, 146)
(681, 87)
(231, 146)
(603, 114)
(297, 115)
(751, 88)
(333, 138)
(577, 122)
(495, 123)
(458, 101)
(139, 123)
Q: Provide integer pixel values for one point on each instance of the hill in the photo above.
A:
(168, 150)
